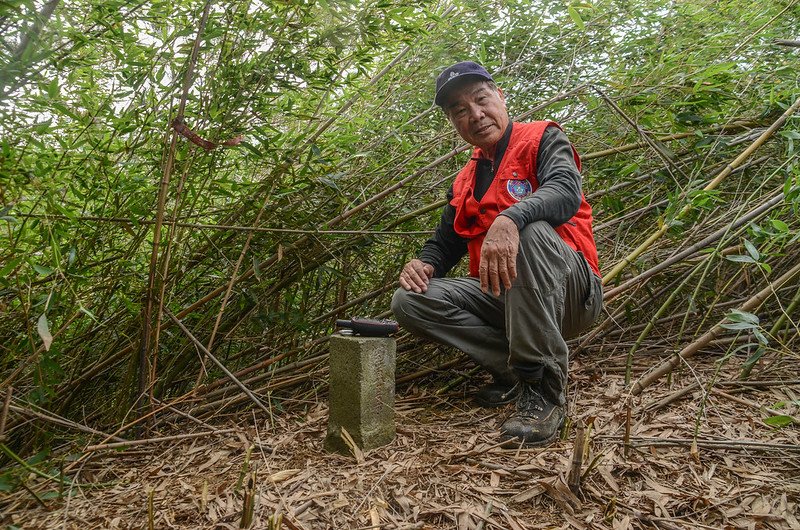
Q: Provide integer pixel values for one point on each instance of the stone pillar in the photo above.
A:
(361, 392)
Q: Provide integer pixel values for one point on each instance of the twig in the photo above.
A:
(147, 441)
(786, 42)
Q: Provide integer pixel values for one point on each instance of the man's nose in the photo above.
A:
(476, 112)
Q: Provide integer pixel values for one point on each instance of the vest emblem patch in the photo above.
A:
(519, 189)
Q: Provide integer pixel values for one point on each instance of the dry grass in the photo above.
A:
(444, 469)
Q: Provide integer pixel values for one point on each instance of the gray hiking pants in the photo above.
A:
(554, 297)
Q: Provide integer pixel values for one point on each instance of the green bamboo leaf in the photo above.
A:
(43, 270)
(576, 17)
(779, 421)
(752, 250)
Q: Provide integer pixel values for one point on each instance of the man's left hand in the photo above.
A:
(499, 255)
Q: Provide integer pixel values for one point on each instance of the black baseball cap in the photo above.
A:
(452, 74)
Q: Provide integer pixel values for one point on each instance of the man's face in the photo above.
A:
(478, 112)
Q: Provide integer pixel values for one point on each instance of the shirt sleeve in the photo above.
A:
(559, 194)
(445, 248)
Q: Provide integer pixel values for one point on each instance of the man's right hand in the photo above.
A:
(416, 275)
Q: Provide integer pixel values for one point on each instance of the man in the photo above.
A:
(518, 210)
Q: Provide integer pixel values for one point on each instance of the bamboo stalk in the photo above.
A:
(63, 422)
(766, 135)
(690, 350)
(216, 361)
(708, 444)
(236, 228)
(654, 144)
(610, 294)
(4, 413)
(678, 136)
(152, 287)
(159, 439)
(574, 476)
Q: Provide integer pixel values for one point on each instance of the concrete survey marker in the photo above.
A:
(361, 392)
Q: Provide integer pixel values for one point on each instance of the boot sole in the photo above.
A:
(514, 441)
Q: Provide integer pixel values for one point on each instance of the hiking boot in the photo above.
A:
(496, 394)
(536, 421)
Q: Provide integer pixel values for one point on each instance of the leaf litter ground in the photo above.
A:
(445, 469)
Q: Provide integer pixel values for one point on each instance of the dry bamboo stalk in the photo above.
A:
(746, 402)
(63, 422)
(678, 136)
(159, 439)
(659, 149)
(708, 444)
(752, 304)
(766, 135)
(427, 371)
(671, 398)
(354, 301)
(216, 361)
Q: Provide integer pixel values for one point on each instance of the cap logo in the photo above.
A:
(454, 74)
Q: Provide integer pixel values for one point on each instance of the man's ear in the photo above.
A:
(502, 96)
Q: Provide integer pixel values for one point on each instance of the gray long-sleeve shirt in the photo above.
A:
(556, 200)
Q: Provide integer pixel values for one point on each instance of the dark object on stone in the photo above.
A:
(368, 327)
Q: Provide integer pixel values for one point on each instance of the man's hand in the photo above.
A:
(499, 255)
(416, 275)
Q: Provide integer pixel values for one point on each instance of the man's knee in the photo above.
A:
(537, 231)
(403, 305)
(399, 301)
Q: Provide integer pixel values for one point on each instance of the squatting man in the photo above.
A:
(518, 211)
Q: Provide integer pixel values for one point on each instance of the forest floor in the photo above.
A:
(445, 469)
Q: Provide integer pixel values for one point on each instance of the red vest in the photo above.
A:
(514, 180)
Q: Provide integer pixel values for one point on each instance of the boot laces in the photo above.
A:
(530, 402)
